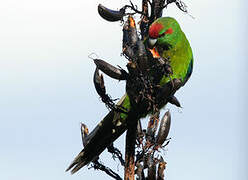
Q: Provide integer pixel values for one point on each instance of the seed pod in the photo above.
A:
(130, 39)
(142, 57)
(164, 128)
(133, 31)
(109, 14)
(152, 127)
(99, 83)
(174, 100)
(84, 133)
(113, 72)
(127, 51)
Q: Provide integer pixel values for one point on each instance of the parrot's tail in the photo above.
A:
(106, 132)
(78, 163)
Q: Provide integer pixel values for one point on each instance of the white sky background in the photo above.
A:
(47, 89)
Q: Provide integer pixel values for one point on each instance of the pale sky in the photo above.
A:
(47, 89)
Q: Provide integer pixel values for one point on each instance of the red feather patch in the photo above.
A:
(154, 30)
(169, 31)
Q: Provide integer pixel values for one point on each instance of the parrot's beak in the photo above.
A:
(152, 42)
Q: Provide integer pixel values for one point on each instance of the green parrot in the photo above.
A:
(166, 39)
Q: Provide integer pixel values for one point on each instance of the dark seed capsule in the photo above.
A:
(84, 133)
(152, 126)
(174, 100)
(142, 60)
(133, 36)
(128, 53)
(110, 70)
(130, 36)
(99, 83)
(109, 14)
(164, 128)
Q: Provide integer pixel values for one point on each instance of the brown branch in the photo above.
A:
(130, 149)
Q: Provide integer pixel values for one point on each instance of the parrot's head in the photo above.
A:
(164, 33)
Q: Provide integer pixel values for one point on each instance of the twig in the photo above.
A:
(116, 153)
(180, 4)
(98, 166)
(134, 8)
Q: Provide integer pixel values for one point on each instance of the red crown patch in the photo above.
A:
(155, 29)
